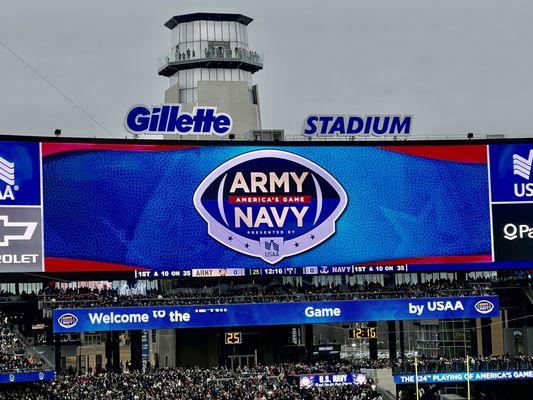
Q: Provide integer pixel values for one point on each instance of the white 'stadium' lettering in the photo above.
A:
(171, 119)
(270, 204)
(346, 125)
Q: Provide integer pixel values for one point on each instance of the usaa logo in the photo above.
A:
(7, 177)
(522, 168)
(484, 306)
(270, 204)
(67, 321)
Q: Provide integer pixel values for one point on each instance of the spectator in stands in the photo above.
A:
(13, 355)
(85, 297)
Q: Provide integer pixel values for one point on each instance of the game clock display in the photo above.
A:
(363, 333)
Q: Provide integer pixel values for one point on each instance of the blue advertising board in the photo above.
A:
(511, 187)
(21, 228)
(510, 171)
(34, 376)
(188, 209)
(450, 377)
(20, 174)
(229, 315)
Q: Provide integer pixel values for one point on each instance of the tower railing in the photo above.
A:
(214, 55)
(30, 350)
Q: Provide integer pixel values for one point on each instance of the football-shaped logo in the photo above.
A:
(306, 382)
(270, 204)
(67, 320)
(484, 306)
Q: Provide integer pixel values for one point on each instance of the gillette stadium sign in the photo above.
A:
(171, 119)
(270, 204)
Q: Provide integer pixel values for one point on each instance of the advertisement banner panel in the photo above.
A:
(21, 228)
(228, 315)
(319, 380)
(19, 377)
(448, 377)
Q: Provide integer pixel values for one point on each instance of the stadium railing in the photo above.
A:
(52, 302)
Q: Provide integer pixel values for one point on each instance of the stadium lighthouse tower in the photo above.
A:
(210, 63)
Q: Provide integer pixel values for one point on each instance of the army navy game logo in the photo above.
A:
(270, 204)
(67, 321)
(484, 306)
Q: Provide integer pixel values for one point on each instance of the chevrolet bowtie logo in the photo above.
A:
(15, 230)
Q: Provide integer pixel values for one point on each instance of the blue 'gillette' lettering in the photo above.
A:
(170, 119)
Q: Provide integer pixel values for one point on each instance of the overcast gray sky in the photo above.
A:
(457, 65)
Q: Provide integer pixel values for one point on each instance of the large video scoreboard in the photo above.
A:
(200, 209)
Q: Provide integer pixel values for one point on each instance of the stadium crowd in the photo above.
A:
(455, 364)
(6, 296)
(86, 297)
(186, 384)
(13, 356)
(246, 383)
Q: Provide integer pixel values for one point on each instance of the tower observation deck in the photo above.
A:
(210, 63)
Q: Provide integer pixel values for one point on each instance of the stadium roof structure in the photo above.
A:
(178, 19)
